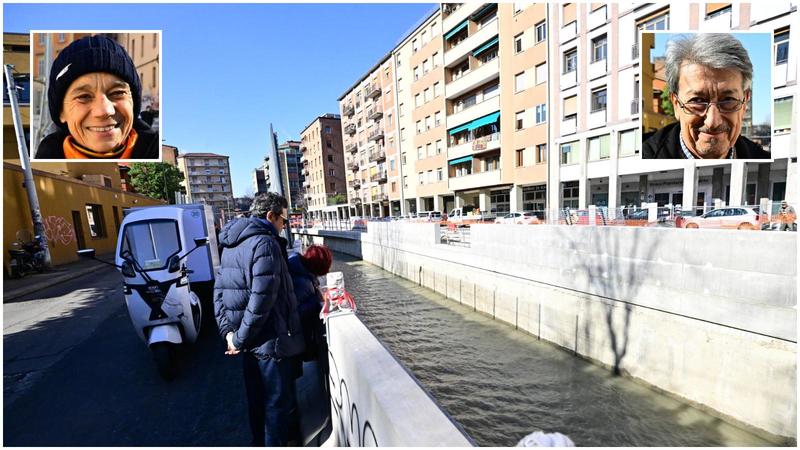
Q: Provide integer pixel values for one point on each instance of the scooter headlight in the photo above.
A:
(183, 281)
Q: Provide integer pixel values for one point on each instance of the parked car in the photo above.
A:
(641, 217)
(735, 217)
(465, 214)
(429, 216)
(524, 218)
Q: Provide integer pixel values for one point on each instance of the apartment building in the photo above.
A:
(259, 180)
(370, 140)
(207, 179)
(291, 167)
(596, 51)
(144, 49)
(323, 167)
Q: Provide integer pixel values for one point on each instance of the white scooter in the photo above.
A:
(164, 311)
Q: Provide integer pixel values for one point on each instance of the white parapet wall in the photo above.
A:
(375, 401)
(706, 315)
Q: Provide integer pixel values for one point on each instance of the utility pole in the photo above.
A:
(30, 186)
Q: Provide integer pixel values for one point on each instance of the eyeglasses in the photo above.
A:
(701, 108)
(285, 220)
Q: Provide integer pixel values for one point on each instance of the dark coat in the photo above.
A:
(309, 300)
(253, 292)
(147, 145)
(665, 144)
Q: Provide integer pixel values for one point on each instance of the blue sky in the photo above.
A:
(759, 47)
(230, 70)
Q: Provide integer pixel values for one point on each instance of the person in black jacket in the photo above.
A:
(709, 77)
(257, 315)
(94, 97)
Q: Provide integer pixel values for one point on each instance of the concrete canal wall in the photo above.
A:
(706, 315)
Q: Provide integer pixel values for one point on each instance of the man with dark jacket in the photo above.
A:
(256, 311)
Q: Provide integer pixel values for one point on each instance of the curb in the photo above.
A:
(49, 282)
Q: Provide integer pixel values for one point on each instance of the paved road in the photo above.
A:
(76, 374)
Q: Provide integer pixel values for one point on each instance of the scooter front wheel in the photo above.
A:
(164, 355)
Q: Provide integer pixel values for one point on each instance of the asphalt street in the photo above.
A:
(76, 374)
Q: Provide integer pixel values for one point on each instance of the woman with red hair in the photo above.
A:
(305, 269)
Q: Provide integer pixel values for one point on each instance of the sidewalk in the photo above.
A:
(16, 288)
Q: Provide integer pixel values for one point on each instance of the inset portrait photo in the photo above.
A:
(706, 95)
(95, 96)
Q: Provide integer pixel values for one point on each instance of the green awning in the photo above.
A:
(461, 160)
(487, 8)
(485, 120)
(455, 30)
(460, 128)
(484, 47)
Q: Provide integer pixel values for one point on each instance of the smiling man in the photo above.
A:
(709, 77)
(94, 97)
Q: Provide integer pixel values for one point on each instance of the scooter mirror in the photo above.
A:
(127, 270)
(200, 241)
(86, 253)
(173, 264)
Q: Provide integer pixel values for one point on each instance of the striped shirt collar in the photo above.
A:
(688, 155)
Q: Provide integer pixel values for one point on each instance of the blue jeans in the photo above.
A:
(271, 399)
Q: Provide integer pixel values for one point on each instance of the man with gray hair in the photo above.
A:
(709, 77)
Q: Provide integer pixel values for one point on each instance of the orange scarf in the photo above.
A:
(73, 150)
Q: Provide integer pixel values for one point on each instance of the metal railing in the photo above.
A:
(350, 128)
(348, 109)
(377, 155)
(351, 148)
(376, 133)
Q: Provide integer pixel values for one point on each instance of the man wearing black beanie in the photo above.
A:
(94, 97)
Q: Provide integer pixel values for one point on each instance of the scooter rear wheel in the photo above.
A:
(164, 355)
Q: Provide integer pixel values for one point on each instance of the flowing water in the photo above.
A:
(501, 384)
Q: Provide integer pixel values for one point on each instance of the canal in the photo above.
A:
(501, 384)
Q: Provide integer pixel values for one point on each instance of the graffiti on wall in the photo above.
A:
(59, 230)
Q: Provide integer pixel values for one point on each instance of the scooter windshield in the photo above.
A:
(152, 242)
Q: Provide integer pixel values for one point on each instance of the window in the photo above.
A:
(599, 99)
(425, 66)
(153, 82)
(400, 109)
(518, 43)
(491, 91)
(599, 148)
(657, 23)
(403, 158)
(62, 37)
(419, 153)
(416, 73)
(436, 90)
(519, 82)
(717, 9)
(570, 60)
(333, 187)
(391, 164)
(428, 123)
(783, 115)
(487, 18)
(328, 130)
(519, 122)
(541, 113)
(417, 100)
(389, 119)
(330, 172)
(782, 47)
(330, 159)
(414, 46)
(434, 30)
(541, 31)
(428, 150)
(439, 174)
(569, 153)
(599, 46)
(155, 40)
(97, 226)
(439, 147)
(435, 59)
(421, 177)
(426, 95)
(629, 142)
(541, 153)
(541, 73)
(405, 181)
(402, 134)
(570, 107)
(424, 37)
(460, 71)
(419, 126)
(42, 37)
(437, 118)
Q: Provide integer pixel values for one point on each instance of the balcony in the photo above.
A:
(376, 133)
(568, 80)
(597, 119)
(598, 69)
(473, 112)
(486, 143)
(476, 180)
(348, 110)
(457, 14)
(303, 148)
(379, 177)
(375, 112)
(352, 166)
(305, 171)
(351, 148)
(473, 79)
(569, 125)
(307, 183)
(469, 44)
(377, 155)
(356, 183)
(380, 197)
(350, 129)
(372, 90)
(568, 32)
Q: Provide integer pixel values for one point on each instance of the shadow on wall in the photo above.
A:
(616, 280)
